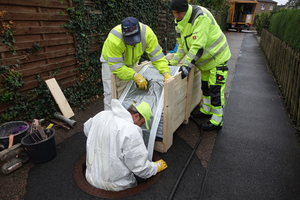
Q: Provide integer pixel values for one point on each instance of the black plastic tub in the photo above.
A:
(8, 128)
(40, 150)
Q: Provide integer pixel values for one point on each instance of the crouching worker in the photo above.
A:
(115, 149)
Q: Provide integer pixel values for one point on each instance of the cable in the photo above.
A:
(188, 161)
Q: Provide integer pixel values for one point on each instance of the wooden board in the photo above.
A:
(60, 98)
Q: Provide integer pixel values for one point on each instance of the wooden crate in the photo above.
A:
(181, 96)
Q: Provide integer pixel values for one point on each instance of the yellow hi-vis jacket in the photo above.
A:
(201, 39)
(121, 57)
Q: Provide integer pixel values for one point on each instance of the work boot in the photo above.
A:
(208, 126)
(199, 114)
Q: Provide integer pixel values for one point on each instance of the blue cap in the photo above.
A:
(131, 31)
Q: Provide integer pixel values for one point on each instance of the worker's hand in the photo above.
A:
(167, 76)
(140, 81)
(161, 165)
(184, 71)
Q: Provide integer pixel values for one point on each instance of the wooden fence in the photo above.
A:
(285, 64)
(39, 21)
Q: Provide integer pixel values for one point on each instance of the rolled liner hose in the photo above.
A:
(188, 161)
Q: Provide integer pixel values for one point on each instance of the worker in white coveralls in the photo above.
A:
(203, 43)
(115, 149)
(122, 50)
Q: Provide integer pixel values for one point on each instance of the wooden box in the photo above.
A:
(181, 96)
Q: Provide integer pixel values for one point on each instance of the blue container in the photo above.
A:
(40, 150)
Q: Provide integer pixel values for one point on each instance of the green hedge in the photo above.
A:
(262, 21)
(286, 26)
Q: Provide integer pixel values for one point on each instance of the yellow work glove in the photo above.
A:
(140, 81)
(167, 76)
(161, 165)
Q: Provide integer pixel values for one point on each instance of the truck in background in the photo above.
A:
(241, 15)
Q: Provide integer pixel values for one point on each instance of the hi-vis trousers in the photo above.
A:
(213, 87)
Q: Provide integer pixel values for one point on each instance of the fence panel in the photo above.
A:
(285, 64)
(39, 22)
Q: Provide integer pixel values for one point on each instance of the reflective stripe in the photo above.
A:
(117, 34)
(206, 101)
(118, 59)
(157, 57)
(194, 58)
(206, 108)
(116, 66)
(213, 45)
(157, 48)
(143, 35)
(176, 58)
(218, 111)
(177, 30)
(181, 51)
(218, 52)
(187, 63)
(190, 55)
(210, 16)
(217, 118)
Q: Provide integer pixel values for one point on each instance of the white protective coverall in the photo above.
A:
(115, 150)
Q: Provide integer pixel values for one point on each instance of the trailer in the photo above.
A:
(241, 15)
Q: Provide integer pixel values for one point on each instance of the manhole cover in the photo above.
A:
(79, 176)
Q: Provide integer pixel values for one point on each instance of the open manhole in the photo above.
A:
(79, 176)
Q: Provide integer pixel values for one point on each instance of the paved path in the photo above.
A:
(234, 40)
(256, 155)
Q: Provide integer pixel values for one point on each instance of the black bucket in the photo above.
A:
(8, 128)
(40, 150)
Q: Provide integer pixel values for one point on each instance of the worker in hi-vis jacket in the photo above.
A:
(116, 156)
(203, 43)
(122, 50)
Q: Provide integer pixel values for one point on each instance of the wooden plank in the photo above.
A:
(93, 49)
(47, 67)
(36, 16)
(298, 117)
(169, 93)
(179, 118)
(61, 76)
(190, 80)
(42, 43)
(289, 80)
(41, 3)
(40, 56)
(40, 30)
(159, 146)
(293, 87)
(297, 89)
(59, 98)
